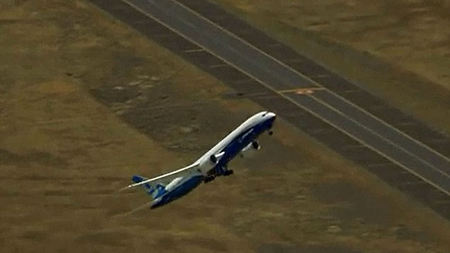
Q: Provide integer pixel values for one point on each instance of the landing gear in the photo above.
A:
(212, 174)
(208, 179)
(228, 172)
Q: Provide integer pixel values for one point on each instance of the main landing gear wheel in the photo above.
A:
(228, 172)
(208, 179)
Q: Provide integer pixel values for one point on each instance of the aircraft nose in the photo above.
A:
(272, 115)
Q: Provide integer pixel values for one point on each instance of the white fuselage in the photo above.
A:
(214, 162)
(249, 123)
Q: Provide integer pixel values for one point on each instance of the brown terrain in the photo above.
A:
(85, 102)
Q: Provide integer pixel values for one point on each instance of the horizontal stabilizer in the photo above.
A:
(147, 186)
(137, 178)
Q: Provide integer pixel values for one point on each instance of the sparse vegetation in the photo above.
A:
(85, 102)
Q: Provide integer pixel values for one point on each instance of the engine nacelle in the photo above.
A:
(212, 160)
(250, 149)
(255, 145)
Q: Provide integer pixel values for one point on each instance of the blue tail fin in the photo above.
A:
(147, 187)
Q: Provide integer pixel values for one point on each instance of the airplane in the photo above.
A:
(171, 186)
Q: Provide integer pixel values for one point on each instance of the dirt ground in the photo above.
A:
(398, 50)
(85, 102)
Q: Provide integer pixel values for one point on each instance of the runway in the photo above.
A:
(393, 146)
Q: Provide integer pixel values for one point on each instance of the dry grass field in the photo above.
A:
(85, 102)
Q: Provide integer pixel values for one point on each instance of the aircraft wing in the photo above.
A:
(166, 178)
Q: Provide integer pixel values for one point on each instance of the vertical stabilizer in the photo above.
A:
(147, 187)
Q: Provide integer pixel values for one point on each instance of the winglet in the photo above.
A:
(138, 180)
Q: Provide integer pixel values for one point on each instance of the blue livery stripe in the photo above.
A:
(147, 187)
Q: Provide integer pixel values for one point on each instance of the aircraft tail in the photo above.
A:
(147, 187)
(153, 190)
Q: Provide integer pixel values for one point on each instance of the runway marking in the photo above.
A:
(195, 50)
(380, 136)
(281, 94)
(403, 172)
(306, 77)
(350, 91)
(321, 76)
(414, 183)
(238, 95)
(302, 91)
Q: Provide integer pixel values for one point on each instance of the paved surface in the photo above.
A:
(410, 156)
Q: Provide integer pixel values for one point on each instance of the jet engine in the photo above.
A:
(251, 148)
(212, 160)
